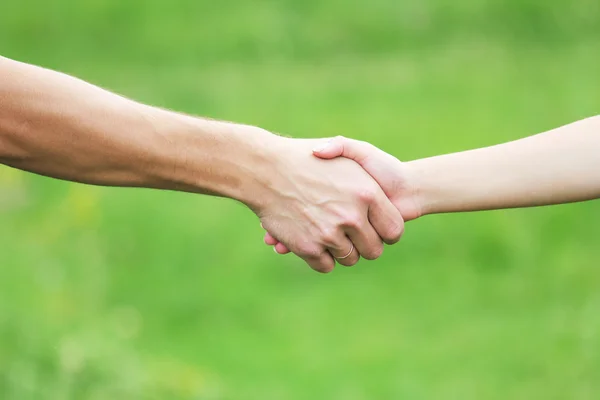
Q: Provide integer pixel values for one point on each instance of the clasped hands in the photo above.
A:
(337, 200)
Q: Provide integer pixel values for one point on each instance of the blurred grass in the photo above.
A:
(141, 294)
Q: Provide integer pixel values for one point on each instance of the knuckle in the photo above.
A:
(308, 249)
(367, 194)
(354, 221)
(352, 262)
(312, 252)
(323, 269)
(329, 236)
(394, 233)
(374, 252)
(323, 264)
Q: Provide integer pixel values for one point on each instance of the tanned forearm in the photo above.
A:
(59, 126)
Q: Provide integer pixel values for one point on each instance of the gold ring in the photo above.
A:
(347, 255)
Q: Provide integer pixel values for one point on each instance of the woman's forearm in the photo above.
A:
(558, 166)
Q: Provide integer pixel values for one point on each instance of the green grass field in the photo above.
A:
(138, 294)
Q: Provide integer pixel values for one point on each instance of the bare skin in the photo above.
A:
(59, 126)
(558, 166)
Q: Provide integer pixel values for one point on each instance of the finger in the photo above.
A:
(340, 146)
(270, 240)
(318, 259)
(339, 246)
(386, 220)
(280, 248)
(322, 263)
(366, 240)
(344, 252)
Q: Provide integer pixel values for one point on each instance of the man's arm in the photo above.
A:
(59, 126)
(55, 125)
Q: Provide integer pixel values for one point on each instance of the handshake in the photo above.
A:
(339, 200)
(326, 201)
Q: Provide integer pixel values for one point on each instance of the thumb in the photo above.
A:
(340, 146)
(329, 148)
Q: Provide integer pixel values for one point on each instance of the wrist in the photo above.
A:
(213, 157)
(254, 167)
(422, 194)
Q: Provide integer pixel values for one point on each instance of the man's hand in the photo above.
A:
(55, 125)
(391, 174)
(322, 210)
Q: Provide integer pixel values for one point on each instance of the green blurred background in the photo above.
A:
(138, 294)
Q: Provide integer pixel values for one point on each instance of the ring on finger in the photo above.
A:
(347, 255)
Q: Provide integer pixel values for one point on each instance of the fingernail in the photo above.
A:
(261, 225)
(321, 146)
(275, 250)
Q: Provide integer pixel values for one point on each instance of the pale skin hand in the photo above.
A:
(558, 166)
(59, 126)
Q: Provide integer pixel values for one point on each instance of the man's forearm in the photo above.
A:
(59, 126)
(558, 166)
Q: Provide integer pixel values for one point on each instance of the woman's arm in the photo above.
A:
(558, 166)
